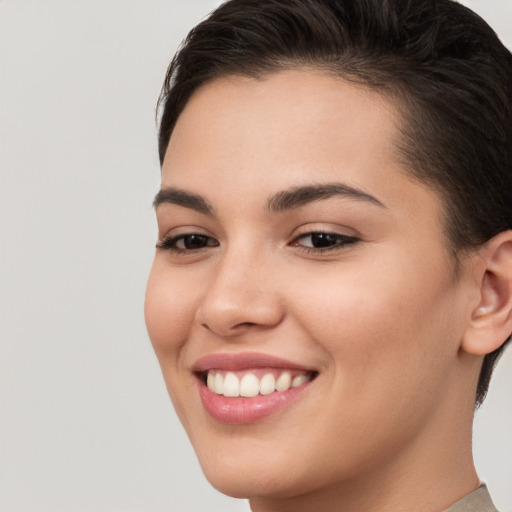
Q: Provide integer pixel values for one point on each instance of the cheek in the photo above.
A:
(379, 326)
(386, 339)
(169, 310)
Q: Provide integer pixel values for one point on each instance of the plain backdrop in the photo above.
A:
(85, 421)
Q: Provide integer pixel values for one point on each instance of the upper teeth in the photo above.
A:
(249, 385)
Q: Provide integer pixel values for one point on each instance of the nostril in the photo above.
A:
(244, 324)
(234, 328)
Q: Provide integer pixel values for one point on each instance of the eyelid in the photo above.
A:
(166, 232)
(324, 227)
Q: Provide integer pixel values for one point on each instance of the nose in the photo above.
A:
(243, 295)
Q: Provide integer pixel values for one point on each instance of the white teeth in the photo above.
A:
(210, 381)
(284, 381)
(219, 384)
(299, 380)
(231, 385)
(267, 384)
(249, 385)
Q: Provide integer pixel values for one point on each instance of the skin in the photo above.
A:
(386, 322)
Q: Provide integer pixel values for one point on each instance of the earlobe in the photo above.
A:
(491, 320)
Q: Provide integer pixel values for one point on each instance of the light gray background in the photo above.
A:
(85, 422)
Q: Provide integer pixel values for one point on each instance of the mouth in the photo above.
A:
(253, 382)
(244, 388)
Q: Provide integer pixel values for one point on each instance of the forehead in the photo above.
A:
(294, 127)
(286, 106)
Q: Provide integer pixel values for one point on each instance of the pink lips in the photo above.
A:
(242, 410)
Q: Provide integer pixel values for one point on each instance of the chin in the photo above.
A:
(259, 475)
(247, 485)
(238, 485)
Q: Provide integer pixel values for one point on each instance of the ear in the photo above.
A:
(491, 320)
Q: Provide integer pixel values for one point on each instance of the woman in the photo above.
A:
(332, 284)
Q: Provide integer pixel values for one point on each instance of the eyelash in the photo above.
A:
(170, 243)
(339, 243)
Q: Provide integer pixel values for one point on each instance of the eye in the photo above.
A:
(322, 241)
(187, 243)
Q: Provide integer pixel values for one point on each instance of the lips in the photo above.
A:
(244, 388)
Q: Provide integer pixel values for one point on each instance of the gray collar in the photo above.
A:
(477, 501)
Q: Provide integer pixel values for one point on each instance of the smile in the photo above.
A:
(244, 388)
(251, 383)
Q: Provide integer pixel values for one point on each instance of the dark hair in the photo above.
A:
(446, 69)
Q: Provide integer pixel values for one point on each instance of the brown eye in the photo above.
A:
(324, 241)
(189, 242)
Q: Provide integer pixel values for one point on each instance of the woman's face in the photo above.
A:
(295, 250)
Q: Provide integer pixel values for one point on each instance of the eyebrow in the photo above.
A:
(171, 195)
(297, 197)
(290, 199)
